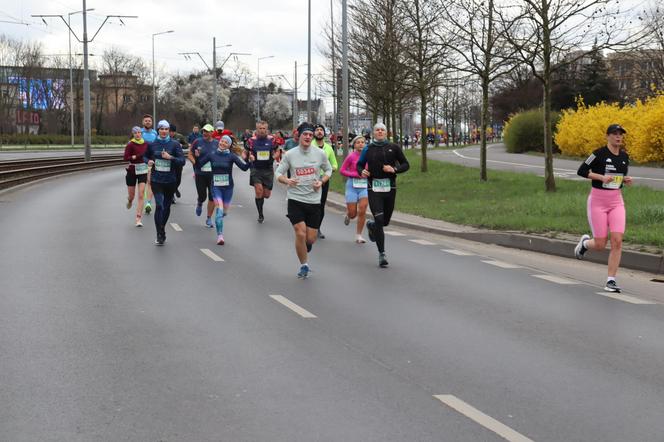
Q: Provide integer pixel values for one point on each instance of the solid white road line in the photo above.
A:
(294, 307)
(213, 256)
(626, 298)
(422, 242)
(484, 420)
(176, 227)
(458, 252)
(502, 265)
(393, 233)
(556, 279)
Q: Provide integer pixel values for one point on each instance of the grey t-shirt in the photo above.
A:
(306, 166)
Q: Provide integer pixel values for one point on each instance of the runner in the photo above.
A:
(293, 141)
(163, 155)
(357, 198)
(607, 168)
(137, 171)
(319, 135)
(305, 164)
(173, 132)
(263, 148)
(149, 135)
(380, 161)
(203, 171)
(195, 134)
(222, 160)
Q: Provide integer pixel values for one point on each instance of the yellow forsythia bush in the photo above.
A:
(583, 130)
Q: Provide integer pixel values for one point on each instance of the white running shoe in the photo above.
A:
(359, 239)
(580, 249)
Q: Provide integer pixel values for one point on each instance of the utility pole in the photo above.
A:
(71, 75)
(309, 114)
(344, 74)
(154, 86)
(214, 80)
(334, 74)
(296, 111)
(258, 86)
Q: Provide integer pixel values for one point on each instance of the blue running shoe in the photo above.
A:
(199, 209)
(304, 272)
(208, 222)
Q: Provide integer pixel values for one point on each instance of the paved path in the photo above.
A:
(499, 159)
(106, 337)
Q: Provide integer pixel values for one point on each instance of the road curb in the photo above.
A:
(634, 260)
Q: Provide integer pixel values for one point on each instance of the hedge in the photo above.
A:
(525, 131)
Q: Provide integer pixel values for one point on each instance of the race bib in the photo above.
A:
(306, 175)
(140, 169)
(360, 183)
(222, 180)
(207, 167)
(162, 165)
(381, 185)
(263, 155)
(615, 183)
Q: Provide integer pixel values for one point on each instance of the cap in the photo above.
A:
(305, 127)
(136, 129)
(208, 128)
(355, 138)
(173, 128)
(227, 139)
(319, 126)
(380, 126)
(162, 124)
(615, 128)
(219, 125)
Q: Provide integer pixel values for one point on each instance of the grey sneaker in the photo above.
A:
(580, 249)
(612, 287)
(382, 260)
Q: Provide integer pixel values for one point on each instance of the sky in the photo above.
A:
(260, 27)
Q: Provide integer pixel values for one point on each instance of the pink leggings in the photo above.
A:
(606, 212)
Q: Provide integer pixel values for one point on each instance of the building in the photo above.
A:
(317, 111)
(637, 73)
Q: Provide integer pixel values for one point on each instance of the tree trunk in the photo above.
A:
(394, 117)
(548, 139)
(483, 124)
(423, 121)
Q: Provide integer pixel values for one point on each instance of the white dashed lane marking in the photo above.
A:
(458, 252)
(213, 256)
(502, 265)
(292, 306)
(176, 227)
(422, 242)
(626, 298)
(556, 279)
(394, 233)
(484, 420)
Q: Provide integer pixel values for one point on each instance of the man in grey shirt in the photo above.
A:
(304, 164)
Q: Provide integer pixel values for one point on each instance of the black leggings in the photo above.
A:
(323, 199)
(203, 187)
(163, 196)
(382, 206)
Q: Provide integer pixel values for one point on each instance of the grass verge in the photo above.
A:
(516, 202)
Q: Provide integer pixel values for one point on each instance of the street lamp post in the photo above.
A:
(345, 99)
(309, 114)
(154, 86)
(214, 76)
(71, 75)
(258, 86)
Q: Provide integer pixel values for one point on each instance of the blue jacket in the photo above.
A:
(222, 162)
(204, 147)
(149, 135)
(163, 171)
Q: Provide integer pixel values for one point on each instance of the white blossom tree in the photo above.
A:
(193, 96)
(277, 108)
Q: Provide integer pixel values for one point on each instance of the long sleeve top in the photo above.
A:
(349, 166)
(164, 170)
(204, 147)
(603, 162)
(222, 166)
(133, 149)
(376, 155)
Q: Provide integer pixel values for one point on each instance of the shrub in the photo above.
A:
(525, 131)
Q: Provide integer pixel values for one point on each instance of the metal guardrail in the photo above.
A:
(15, 172)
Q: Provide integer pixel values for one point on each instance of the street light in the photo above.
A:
(214, 76)
(154, 87)
(71, 74)
(258, 87)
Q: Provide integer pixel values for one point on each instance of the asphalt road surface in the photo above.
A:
(499, 159)
(105, 337)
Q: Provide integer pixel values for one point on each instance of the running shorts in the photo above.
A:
(354, 193)
(606, 212)
(131, 178)
(302, 212)
(262, 176)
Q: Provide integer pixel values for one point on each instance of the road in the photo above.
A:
(499, 159)
(105, 337)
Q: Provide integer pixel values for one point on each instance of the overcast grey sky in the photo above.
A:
(260, 27)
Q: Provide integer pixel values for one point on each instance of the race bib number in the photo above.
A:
(263, 155)
(207, 167)
(140, 169)
(222, 180)
(381, 185)
(360, 183)
(305, 175)
(162, 165)
(615, 183)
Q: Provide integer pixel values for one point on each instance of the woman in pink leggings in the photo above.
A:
(607, 168)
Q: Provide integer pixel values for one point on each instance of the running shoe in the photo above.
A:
(199, 209)
(148, 207)
(370, 230)
(129, 203)
(173, 201)
(309, 247)
(159, 241)
(304, 272)
(346, 220)
(220, 239)
(208, 222)
(261, 218)
(177, 193)
(139, 223)
(612, 287)
(580, 249)
(359, 239)
(382, 260)
(320, 235)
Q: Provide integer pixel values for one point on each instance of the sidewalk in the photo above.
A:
(631, 259)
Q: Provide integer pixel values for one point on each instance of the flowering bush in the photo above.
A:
(583, 130)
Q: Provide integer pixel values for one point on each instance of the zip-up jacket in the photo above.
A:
(163, 171)
(378, 154)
